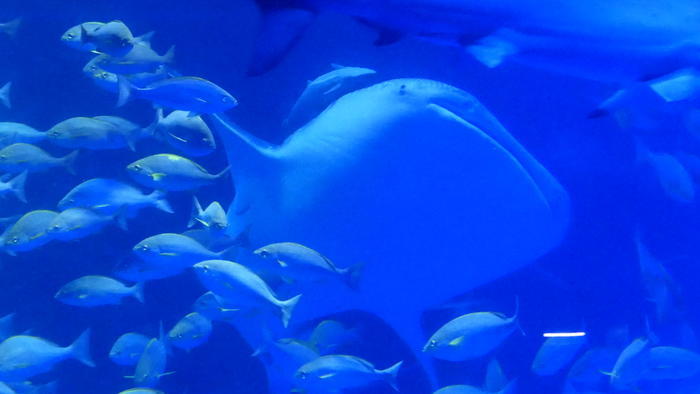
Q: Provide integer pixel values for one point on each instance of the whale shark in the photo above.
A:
(413, 178)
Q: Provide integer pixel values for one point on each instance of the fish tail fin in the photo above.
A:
(169, 56)
(391, 374)
(287, 307)
(120, 217)
(516, 316)
(229, 252)
(10, 28)
(17, 186)
(353, 274)
(5, 94)
(80, 349)
(137, 292)
(223, 172)
(126, 89)
(152, 129)
(282, 26)
(159, 201)
(196, 211)
(69, 161)
(145, 38)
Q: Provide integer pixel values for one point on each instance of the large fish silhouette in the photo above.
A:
(618, 41)
(412, 177)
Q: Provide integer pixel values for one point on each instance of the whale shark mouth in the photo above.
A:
(415, 179)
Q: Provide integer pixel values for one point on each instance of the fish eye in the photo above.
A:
(70, 36)
(433, 343)
(145, 248)
(104, 75)
(225, 99)
(14, 241)
(136, 167)
(303, 375)
(264, 254)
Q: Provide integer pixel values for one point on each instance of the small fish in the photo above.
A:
(214, 307)
(668, 362)
(659, 285)
(113, 38)
(10, 28)
(90, 133)
(471, 336)
(5, 94)
(674, 178)
(109, 81)
(11, 133)
(630, 365)
(188, 134)
(556, 353)
(95, 290)
(141, 59)
(14, 186)
(243, 287)
(108, 196)
(22, 157)
(23, 356)
(170, 172)
(585, 372)
(127, 349)
(285, 356)
(78, 223)
(74, 38)
(213, 218)
(151, 365)
(29, 232)
(196, 95)
(324, 90)
(301, 263)
(339, 372)
(140, 271)
(191, 331)
(328, 335)
(173, 250)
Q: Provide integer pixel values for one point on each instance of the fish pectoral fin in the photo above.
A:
(332, 89)
(156, 176)
(457, 341)
(203, 222)
(100, 206)
(281, 263)
(171, 254)
(177, 137)
(326, 376)
(82, 296)
(166, 374)
(36, 236)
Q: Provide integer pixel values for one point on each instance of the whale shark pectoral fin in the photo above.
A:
(281, 29)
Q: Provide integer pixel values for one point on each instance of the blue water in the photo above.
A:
(589, 282)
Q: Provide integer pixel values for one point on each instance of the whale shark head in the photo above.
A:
(415, 179)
